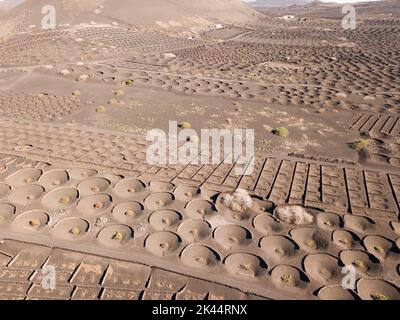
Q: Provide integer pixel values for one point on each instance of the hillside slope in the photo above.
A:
(139, 13)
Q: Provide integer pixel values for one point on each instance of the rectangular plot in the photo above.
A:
(88, 274)
(313, 192)
(333, 187)
(236, 174)
(189, 171)
(367, 126)
(379, 192)
(15, 275)
(395, 186)
(8, 288)
(248, 182)
(362, 121)
(389, 125)
(219, 175)
(356, 188)
(267, 176)
(28, 259)
(281, 187)
(298, 188)
(380, 123)
(86, 293)
(396, 128)
(188, 182)
(127, 276)
(60, 292)
(169, 173)
(204, 172)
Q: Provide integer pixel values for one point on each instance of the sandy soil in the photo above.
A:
(76, 103)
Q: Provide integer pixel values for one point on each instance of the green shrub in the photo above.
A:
(281, 132)
(360, 145)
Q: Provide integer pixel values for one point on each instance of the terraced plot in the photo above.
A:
(187, 229)
(324, 104)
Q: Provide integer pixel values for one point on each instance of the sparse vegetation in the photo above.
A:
(64, 200)
(75, 231)
(130, 213)
(293, 214)
(379, 249)
(82, 78)
(311, 243)
(64, 72)
(379, 296)
(118, 93)
(112, 101)
(127, 82)
(185, 125)
(281, 132)
(360, 145)
(165, 245)
(117, 236)
(101, 109)
(359, 264)
(98, 205)
(287, 279)
(238, 201)
(34, 223)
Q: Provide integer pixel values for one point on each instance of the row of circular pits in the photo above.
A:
(186, 85)
(169, 84)
(195, 207)
(277, 248)
(96, 185)
(360, 223)
(160, 80)
(97, 203)
(34, 107)
(134, 40)
(129, 187)
(116, 235)
(320, 267)
(132, 156)
(25, 187)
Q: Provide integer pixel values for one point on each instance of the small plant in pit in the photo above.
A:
(101, 109)
(118, 93)
(360, 145)
(287, 279)
(117, 236)
(185, 125)
(34, 223)
(75, 231)
(281, 132)
(379, 249)
(127, 82)
(379, 296)
(112, 102)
